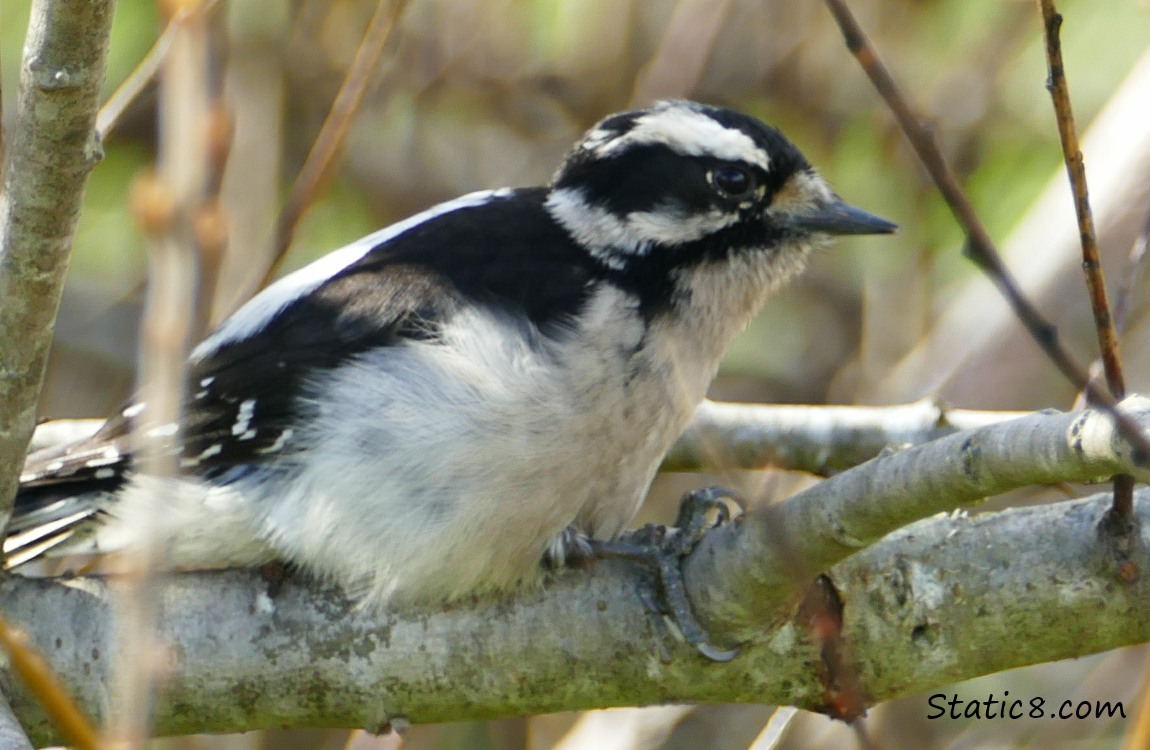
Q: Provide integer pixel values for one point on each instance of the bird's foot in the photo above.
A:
(662, 549)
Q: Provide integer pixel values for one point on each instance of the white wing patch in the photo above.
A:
(262, 308)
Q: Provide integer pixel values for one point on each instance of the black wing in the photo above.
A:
(505, 253)
(242, 394)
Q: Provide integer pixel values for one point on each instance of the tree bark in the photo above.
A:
(944, 599)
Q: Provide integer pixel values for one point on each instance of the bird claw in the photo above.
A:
(569, 547)
(662, 550)
(695, 507)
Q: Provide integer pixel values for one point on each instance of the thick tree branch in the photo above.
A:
(975, 595)
(920, 611)
(12, 735)
(791, 542)
(50, 151)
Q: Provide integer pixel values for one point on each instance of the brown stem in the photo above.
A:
(1091, 259)
(978, 247)
(321, 160)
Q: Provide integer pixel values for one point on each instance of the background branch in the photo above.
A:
(321, 161)
(816, 439)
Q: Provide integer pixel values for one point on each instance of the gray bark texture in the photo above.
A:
(50, 151)
(944, 599)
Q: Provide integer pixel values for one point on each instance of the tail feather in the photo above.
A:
(43, 525)
(63, 490)
(42, 540)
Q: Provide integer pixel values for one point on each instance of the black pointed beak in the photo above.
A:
(837, 217)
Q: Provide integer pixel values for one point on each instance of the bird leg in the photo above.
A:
(662, 549)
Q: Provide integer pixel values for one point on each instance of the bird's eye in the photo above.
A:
(734, 182)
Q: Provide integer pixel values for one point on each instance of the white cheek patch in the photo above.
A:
(262, 308)
(670, 227)
(686, 131)
(609, 237)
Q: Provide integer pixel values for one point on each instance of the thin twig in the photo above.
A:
(1138, 731)
(978, 247)
(1128, 282)
(775, 729)
(142, 75)
(43, 683)
(138, 80)
(321, 160)
(1091, 259)
(1076, 171)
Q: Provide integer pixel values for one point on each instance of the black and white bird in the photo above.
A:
(431, 411)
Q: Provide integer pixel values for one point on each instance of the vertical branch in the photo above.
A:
(169, 205)
(1076, 171)
(50, 151)
(46, 163)
(1091, 260)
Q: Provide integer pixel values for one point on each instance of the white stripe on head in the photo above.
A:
(684, 128)
(262, 308)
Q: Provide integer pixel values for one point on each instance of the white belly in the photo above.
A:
(476, 454)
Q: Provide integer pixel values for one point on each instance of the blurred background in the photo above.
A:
(474, 94)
